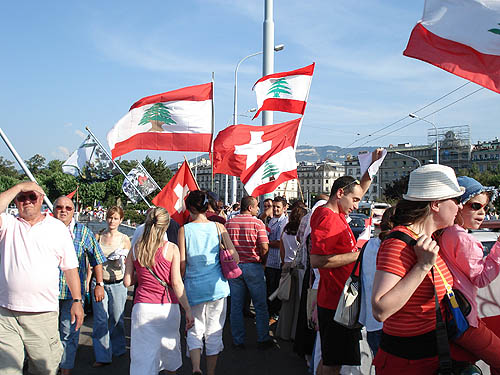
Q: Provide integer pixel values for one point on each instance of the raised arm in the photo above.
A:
(8, 195)
(365, 179)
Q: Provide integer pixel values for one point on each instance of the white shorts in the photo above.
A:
(209, 319)
(155, 339)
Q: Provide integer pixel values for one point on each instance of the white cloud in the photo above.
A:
(80, 134)
(61, 152)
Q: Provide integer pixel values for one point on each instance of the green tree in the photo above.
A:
(280, 86)
(54, 166)
(7, 168)
(158, 114)
(6, 182)
(395, 191)
(36, 163)
(159, 170)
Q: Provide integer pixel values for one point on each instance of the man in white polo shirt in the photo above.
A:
(33, 247)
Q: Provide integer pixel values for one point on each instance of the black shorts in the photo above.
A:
(339, 345)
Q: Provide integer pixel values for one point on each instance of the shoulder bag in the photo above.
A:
(229, 267)
(349, 306)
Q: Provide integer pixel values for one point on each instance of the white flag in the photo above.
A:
(141, 181)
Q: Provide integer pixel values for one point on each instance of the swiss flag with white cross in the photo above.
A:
(238, 147)
(174, 193)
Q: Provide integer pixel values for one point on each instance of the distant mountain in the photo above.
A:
(313, 153)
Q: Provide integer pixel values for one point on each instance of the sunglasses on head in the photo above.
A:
(32, 196)
(67, 208)
(477, 206)
(351, 183)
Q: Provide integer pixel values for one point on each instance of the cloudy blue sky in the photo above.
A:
(67, 64)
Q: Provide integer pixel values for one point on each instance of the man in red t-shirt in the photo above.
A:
(334, 252)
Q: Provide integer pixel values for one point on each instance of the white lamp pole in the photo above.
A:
(408, 156)
(412, 115)
(277, 48)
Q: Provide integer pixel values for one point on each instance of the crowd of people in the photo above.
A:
(294, 264)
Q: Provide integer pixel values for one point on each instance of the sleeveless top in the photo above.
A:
(112, 269)
(149, 289)
(203, 280)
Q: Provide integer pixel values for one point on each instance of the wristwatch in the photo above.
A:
(77, 300)
(100, 283)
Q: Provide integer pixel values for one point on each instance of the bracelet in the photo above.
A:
(77, 300)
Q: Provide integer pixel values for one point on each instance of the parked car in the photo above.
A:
(357, 223)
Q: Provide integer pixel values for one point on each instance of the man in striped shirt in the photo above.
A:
(249, 237)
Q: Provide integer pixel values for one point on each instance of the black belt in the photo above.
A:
(112, 282)
(413, 348)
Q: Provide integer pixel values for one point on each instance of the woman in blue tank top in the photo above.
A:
(206, 287)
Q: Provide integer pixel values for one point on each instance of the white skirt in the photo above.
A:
(155, 339)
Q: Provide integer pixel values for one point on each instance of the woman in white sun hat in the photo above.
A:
(471, 270)
(403, 289)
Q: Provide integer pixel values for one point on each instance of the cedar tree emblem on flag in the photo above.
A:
(270, 170)
(157, 115)
(279, 87)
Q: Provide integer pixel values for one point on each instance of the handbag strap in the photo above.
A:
(163, 283)
(219, 235)
(359, 261)
(443, 346)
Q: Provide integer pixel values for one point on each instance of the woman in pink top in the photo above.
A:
(471, 270)
(155, 339)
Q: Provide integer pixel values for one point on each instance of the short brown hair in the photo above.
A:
(114, 210)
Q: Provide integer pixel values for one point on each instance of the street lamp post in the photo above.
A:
(412, 115)
(278, 47)
(408, 156)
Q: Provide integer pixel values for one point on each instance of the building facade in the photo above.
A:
(486, 155)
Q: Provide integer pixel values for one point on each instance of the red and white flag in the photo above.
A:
(238, 147)
(366, 234)
(461, 37)
(284, 92)
(72, 194)
(174, 193)
(179, 120)
(271, 169)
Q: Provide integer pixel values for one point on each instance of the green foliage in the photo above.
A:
(395, 191)
(7, 168)
(157, 112)
(134, 216)
(6, 182)
(36, 163)
(159, 170)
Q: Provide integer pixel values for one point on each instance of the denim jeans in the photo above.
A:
(69, 337)
(108, 335)
(253, 278)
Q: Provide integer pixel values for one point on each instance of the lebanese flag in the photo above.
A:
(366, 234)
(284, 92)
(461, 37)
(238, 147)
(174, 194)
(271, 169)
(179, 120)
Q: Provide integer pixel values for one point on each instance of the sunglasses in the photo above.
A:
(67, 208)
(477, 206)
(33, 197)
(351, 183)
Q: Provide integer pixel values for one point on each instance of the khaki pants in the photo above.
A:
(35, 333)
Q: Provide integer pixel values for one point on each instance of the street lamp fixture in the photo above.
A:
(412, 115)
(277, 47)
(408, 156)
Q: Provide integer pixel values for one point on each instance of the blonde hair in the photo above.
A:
(157, 221)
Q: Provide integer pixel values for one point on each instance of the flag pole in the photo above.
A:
(300, 189)
(23, 166)
(117, 166)
(191, 172)
(213, 131)
(143, 168)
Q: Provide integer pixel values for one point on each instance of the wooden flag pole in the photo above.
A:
(117, 166)
(300, 189)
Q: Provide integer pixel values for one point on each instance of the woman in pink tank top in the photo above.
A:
(155, 265)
